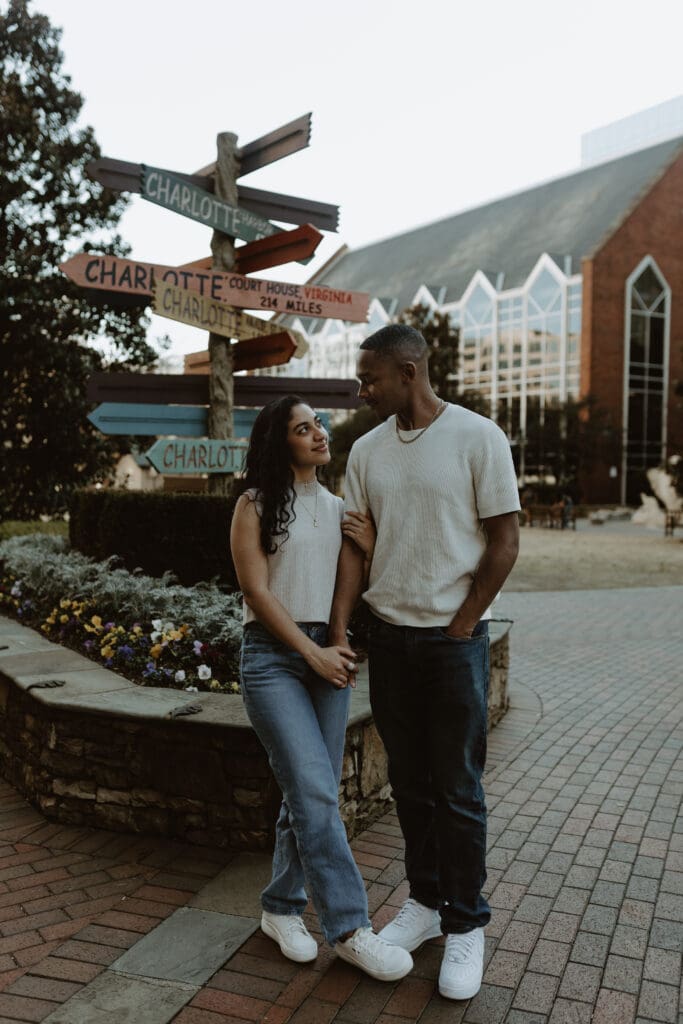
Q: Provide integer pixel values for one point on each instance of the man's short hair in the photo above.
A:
(398, 341)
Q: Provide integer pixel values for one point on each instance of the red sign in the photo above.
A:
(119, 275)
(284, 247)
(254, 354)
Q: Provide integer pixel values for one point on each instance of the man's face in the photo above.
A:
(382, 385)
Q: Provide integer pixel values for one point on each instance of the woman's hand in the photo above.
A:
(335, 664)
(360, 529)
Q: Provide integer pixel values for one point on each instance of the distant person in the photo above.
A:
(440, 485)
(567, 511)
(286, 536)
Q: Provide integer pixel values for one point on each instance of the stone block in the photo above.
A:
(247, 797)
(113, 796)
(374, 769)
(80, 789)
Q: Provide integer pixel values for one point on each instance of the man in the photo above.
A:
(440, 484)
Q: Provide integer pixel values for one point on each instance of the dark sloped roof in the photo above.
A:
(568, 216)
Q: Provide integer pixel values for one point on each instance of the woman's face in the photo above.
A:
(307, 438)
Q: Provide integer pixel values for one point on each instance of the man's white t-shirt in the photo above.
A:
(427, 500)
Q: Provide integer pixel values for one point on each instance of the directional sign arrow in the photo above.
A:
(150, 420)
(258, 353)
(111, 273)
(284, 141)
(168, 455)
(193, 389)
(124, 176)
(173, 193)
(198, 311)
(285, 247)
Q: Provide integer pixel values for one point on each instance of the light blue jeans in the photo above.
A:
(300, 719)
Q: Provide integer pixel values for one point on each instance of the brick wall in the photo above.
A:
(653, 227)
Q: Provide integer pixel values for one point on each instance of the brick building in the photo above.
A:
(569, 289)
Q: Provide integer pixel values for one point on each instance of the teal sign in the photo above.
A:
(174, 193)
(149, 420)
(170, 455)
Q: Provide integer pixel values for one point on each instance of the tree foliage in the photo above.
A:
(49, 210)
(567, 440)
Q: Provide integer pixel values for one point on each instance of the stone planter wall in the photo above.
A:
(101, 752)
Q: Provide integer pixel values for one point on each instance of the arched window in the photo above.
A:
(648, 298)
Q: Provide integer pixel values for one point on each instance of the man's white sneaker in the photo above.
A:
(373, 955)
(291, 934)
(412, 926)
(462, 965)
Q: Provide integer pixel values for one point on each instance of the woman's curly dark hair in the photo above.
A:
(269, 472)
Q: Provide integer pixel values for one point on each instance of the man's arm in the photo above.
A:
(347, 590)
(502, 547)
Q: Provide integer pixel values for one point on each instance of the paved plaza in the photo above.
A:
(585, 863)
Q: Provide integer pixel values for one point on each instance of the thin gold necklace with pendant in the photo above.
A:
(314, 514)
(437, 413)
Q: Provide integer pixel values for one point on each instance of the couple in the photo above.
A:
(430, 534)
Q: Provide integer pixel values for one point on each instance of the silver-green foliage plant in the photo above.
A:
(43, 574)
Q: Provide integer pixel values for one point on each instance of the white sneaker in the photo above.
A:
(292, 936)
(462, 965)
(412, 926)
(373, 955)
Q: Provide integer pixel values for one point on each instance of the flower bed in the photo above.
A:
(152, 631)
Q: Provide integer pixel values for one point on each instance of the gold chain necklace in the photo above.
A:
(314, 514)
(437, 413)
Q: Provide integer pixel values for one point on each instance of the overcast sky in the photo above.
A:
(419, 109)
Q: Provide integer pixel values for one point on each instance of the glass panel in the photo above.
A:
(479, 306)
(649, 287)
(656, 353)
(654, 418)
(638, 332)
(636, 412)
(544, 290)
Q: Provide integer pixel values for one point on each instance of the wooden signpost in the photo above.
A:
(205, 296)
(112, 273)
(169, 455)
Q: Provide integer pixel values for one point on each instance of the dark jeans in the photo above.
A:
(429, 698)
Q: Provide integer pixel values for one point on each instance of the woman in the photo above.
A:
(285, 540)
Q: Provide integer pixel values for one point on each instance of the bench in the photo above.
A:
(552, 516)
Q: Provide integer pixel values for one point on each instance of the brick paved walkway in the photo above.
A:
(585, 864)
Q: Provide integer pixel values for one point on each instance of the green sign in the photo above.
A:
(174, 193)
(170, 455)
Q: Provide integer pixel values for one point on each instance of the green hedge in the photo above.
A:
(186, 534)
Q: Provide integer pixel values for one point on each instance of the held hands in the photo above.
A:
(335, 664)
(361, 529)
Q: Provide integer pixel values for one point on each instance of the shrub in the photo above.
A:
(158, 532)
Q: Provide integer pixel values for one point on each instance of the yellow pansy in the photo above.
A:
(107, 652)
(156, 651)
(63, 618)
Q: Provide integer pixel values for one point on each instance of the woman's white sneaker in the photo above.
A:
(462, 965)
(291, 934)
(412, 926)
(373, 955)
